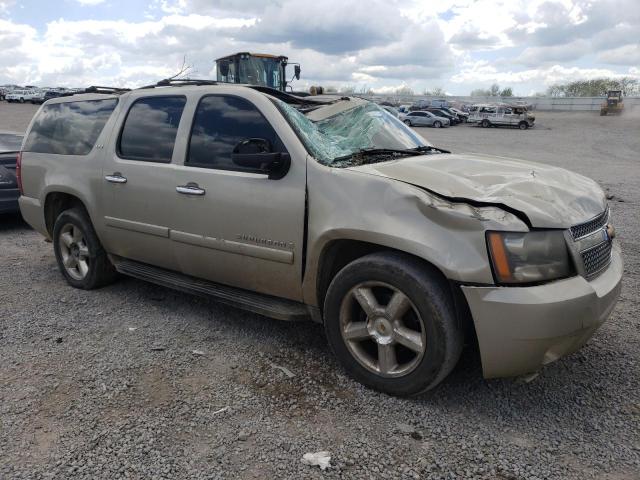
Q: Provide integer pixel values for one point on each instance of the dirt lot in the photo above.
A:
(106, 384)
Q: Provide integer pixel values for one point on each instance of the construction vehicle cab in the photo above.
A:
(255, 69)
(614, 104)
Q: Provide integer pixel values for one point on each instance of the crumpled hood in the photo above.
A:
(550, 197)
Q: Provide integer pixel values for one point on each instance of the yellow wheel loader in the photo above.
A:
(613, 105)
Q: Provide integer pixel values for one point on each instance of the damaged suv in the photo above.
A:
(325, 208)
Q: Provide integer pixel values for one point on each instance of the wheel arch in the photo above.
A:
(55, 203)
(338, 253)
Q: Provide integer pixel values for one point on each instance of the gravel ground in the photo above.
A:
(138, 381)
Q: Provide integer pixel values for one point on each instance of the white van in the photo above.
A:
(487, 115)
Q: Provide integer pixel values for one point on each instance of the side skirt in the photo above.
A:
(269, 306)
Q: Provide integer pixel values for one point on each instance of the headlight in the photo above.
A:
(528, 257)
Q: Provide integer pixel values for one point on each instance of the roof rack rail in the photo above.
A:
(181, 82)
(285, 96)
(98, 89)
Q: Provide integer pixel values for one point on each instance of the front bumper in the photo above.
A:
(9, 200)
(520, 329)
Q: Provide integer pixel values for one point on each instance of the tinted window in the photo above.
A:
(150, 129)
(220, 123)
(70, 128)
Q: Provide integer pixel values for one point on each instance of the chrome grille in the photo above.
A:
(596, 258)
(587, 228)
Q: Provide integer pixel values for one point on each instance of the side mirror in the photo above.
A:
(224, 68)
(253, 145)
(296, 71)
(256, 155)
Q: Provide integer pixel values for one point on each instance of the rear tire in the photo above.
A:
(485, 123)
(437, 124)
(408, 310)
(81, 258)
(22, 100)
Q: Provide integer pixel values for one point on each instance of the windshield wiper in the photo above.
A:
(364, 152)
(430, 148)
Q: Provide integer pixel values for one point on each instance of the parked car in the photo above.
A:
(4, 89)
(325, 208)
(441, 112)
(463, 116)
(440, 103)
(21, 95)
(38, 97)
(424, 119)
(9, 147)
(501, 115)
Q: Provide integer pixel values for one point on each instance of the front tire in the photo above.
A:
(485, 123)
(523, 125)
(391, 322)
(408, 123)
(437, 124)
(80, 256)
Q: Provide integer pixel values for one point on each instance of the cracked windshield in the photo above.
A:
(340, 139)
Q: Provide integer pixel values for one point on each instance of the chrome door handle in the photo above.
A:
(190, 189)
(115, 178)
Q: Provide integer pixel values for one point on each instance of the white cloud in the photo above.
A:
(381, 44)
(90, 2)
(485, 73)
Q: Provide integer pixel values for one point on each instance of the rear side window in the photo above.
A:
(149, 131)
(69, 128)
(222, 122)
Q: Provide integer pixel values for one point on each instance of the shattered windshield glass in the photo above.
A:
(366, 127)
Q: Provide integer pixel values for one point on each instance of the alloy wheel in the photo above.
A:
(382, 329)
(74, 251)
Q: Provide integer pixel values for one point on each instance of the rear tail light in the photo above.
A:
(19, 171)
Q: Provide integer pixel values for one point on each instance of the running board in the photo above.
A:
(266, 305)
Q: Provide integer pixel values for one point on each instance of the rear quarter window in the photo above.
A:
(69, 128)
(150, 129)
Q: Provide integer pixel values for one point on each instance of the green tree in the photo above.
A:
(436, 92)
(492, 91)
(506, 92)
(480, 92)
(404, 90)
(555, 91)
(596, 87)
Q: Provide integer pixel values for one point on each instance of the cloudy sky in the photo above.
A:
(458, 45)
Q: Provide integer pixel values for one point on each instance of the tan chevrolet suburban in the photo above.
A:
(325, 208)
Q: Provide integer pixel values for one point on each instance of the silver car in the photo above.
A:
(424, 119)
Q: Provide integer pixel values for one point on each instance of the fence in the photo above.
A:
(538, 103)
